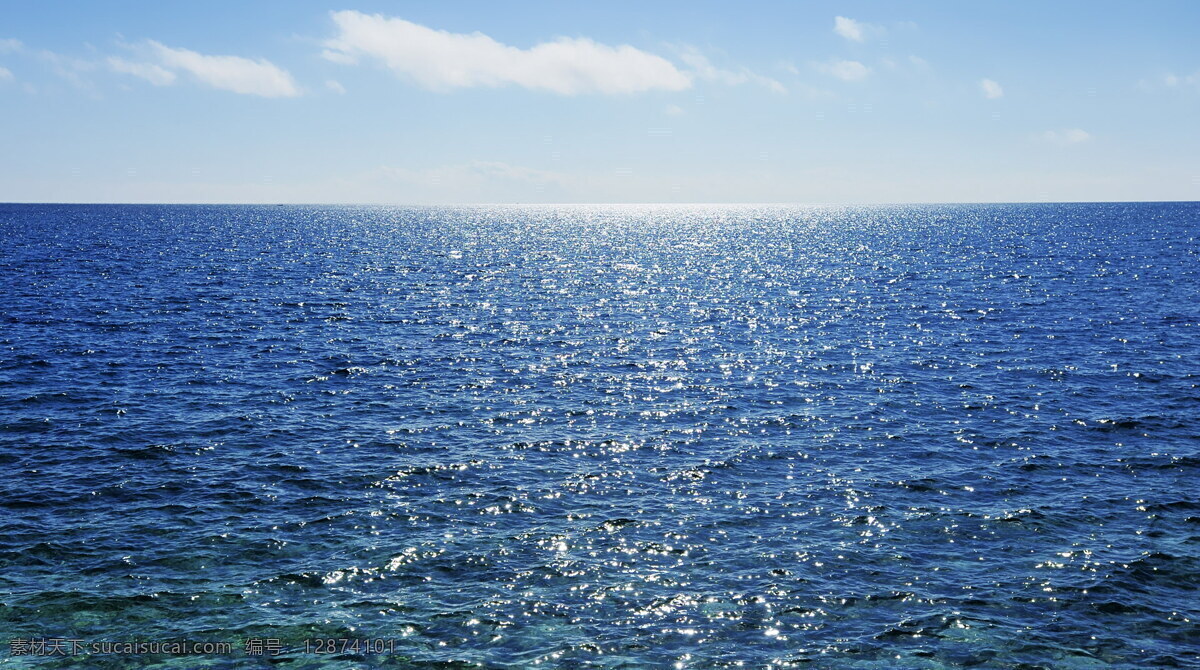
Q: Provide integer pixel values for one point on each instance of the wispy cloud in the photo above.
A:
(441, 60)
(476, 181)
(152, 73)
(229, 73)
(703, 69)
(67, 67)
(856, 31)
(1174, 80)
(846, 70)
(1066, 137)
(335, 86)
(909, 64)
(991, 89)
(5, 74)
(505, 171)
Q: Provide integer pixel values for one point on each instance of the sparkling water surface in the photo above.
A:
(605, 437)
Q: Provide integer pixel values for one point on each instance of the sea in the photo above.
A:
(917, 436)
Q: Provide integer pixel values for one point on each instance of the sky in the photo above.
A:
(527, 102)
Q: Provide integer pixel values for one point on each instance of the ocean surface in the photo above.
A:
(602, 437)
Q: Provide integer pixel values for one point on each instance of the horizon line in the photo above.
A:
(599, 204)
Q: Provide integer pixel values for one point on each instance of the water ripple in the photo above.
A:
(610, 437)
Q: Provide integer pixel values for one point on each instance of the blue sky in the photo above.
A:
(461, 102)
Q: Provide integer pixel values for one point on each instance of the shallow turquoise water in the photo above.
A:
(610, 437)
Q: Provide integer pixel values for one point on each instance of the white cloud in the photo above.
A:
(441, 60)
(5, 74)
(856, 31)
(335, 86)
(10, 46)
(1066, 137)
(162, 64)
(846, 70)
(673, 110)
(991, 90)
(848, 28)
(703, 69)
(152, 73)
(229, 73)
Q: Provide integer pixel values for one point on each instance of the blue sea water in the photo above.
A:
(604, 437)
